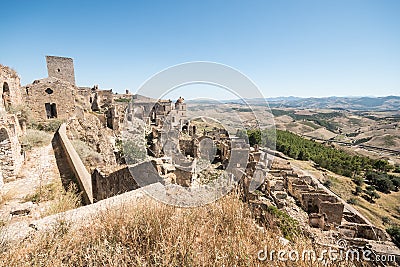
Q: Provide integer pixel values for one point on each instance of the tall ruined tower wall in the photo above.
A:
(61, 68)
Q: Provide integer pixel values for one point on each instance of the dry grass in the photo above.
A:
(6, 196)
(58, 199)
(386, 207)
(35, 138)
(154, 234)
(89, 157)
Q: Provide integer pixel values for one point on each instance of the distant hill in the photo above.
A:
(348, 103)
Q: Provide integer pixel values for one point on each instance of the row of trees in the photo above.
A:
(326, 156)
(383, 182)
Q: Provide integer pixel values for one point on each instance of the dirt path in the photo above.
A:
(40, 168)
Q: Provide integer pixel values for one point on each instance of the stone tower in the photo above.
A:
(180, 105)
(61, 68)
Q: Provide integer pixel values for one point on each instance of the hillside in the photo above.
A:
(340, 103)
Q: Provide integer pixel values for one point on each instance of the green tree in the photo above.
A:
(394, 232)
(358, 190)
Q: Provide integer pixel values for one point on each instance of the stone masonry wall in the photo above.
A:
(10, 91)
(11, 158)
(51, 91)
(112, 184)
(333, 211)
(61, 68)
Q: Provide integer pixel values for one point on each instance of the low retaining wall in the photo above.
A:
(114, 183)
(74, 162)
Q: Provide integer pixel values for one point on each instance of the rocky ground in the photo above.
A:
(40, 169)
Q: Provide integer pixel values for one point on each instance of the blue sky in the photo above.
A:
(300, 48)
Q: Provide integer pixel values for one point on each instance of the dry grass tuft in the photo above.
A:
(35, 138)
(154, 234)
(5, 196)
(88, 156)
(60, 199)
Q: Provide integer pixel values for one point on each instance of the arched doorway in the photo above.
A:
(6, 96)
(5, 153)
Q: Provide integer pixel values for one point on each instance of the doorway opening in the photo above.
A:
(6, 96)
(51, 110)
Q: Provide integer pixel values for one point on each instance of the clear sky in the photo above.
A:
(300, 48)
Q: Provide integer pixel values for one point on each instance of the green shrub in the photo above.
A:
(48, 126)
(328, 183)
(352, 201)
(359, 181)
(370, 194)
(126, 100)
(385, 219)
(288, 226)
(134, 151)
(383, 182)
(394, 232)
(397, 169)
(358, 190)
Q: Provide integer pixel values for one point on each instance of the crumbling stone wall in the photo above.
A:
(84, 97)
(10, 91)
(112, 184)
(155, 111)
(103, 99)
(10, 129)
(311, 200)
(333, 211)
(183, 176)
(50, 98)
(11, 158)
(61, 68)
(365, 231)
(188, 147)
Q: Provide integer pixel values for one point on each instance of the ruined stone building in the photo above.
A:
(156, 111)
(53, 97)
(61, 68)
(58, 97)
(9, 88)
(92, 114)
(11, 128)
(50, 98)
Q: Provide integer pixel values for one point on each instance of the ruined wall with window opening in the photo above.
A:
(50, 98)
(61, 68)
